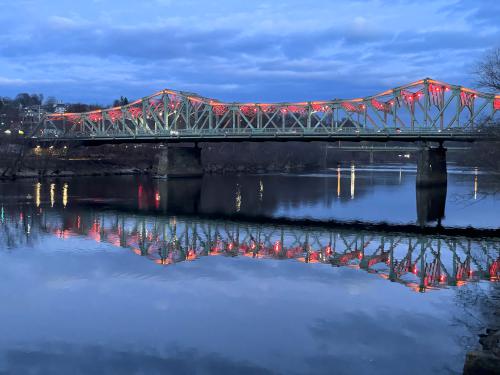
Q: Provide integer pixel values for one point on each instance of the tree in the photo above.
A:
(488, 71)
(119, 102)
(77, 108)
(23, 99)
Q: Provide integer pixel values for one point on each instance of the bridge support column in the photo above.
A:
(431, 167)
(179, 161)
(431, 203)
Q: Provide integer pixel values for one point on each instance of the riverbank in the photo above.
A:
(486, 358)
(230, 158)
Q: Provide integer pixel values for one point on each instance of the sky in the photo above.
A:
(95, 51)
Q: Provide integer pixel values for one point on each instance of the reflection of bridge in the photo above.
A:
(416, 260)
(426, 110)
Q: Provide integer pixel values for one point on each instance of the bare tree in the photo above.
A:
(488, 71)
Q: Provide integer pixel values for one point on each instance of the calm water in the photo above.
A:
(216, 276)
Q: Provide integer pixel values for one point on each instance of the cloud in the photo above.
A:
(261, 51)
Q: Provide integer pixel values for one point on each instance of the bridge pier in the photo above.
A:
(431, 203)
(179, 161)
(431, 167)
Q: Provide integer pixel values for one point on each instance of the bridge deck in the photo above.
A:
(257, 135)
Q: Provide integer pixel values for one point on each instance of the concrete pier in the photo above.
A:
(179, 161)
(431, 167)
(431, 203)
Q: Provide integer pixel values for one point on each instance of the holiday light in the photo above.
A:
(95, 116)
(378, 106)
(349, 107)
(297, 109)
(219, 109)
(248, 110)
(267, 108)
(114, 114)
(467, 99)
(135, 111)
(316, 107)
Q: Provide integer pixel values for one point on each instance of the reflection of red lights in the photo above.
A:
(496, 104)
(328, 250)
(170, 250)
(494, 269)
(277, 246)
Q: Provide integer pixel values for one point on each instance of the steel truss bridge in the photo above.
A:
(424, 110)
(419, 261)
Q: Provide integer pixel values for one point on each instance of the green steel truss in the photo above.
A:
(423, 109)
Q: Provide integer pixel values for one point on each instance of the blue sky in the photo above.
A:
(274, 50)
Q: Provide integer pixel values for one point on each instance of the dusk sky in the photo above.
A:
(96, 50)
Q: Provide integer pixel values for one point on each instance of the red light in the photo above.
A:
(319, 108)
(96, 116)
(296, 109)
(379, 106)
(219, 109)
(248, 110)
(134, 111)
(349, 107)
(267, 108)
(114, 114)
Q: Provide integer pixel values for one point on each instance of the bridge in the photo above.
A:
(426, 110)
(419, 261)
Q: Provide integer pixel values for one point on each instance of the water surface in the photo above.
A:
(131, 274)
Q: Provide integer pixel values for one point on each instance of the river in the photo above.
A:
(350, 271)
